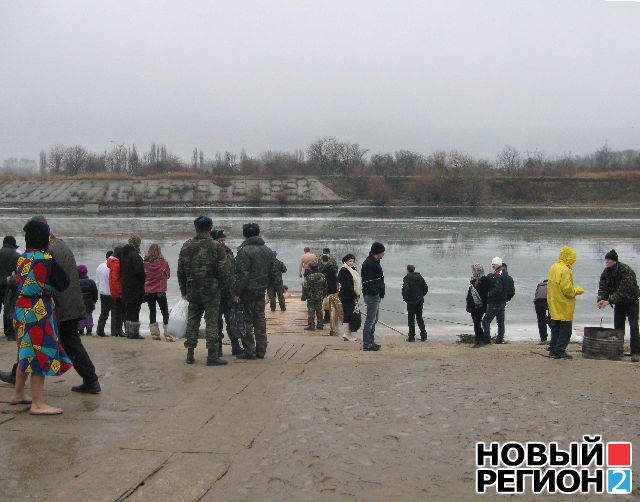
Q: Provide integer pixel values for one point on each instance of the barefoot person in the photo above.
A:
(39, 350)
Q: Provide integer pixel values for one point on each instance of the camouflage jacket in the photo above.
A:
(255, 267)
(280, 268)
(201, 267)
(229, 270)
(315, 286)
(621, 287)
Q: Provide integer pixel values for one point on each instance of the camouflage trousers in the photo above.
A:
(210, 309)
(314, 310)
(256, 323)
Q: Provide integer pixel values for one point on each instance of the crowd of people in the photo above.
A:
(48, 300)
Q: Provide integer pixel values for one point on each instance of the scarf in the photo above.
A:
(474, 292)
(356, 278)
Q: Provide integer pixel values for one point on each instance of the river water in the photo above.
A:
(441, 242)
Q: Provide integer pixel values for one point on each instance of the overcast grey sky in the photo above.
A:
(558, 76)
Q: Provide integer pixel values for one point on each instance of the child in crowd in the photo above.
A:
(90, 297)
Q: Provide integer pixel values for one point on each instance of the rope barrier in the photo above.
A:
(430, 318)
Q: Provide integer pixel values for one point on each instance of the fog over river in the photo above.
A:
(441, 243)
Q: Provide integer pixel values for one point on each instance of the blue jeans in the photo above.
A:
(560, 336)
(373, 307)
(497, 311)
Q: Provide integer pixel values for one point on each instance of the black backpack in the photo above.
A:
(511, 288)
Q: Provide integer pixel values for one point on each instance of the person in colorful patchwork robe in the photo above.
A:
(35, 320)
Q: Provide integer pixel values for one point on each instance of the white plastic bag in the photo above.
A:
(178, 319)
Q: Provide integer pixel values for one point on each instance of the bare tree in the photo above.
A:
(74, 160)
(509, 160)
(43, 162)
(56, 154)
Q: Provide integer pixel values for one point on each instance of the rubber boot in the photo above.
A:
(154, 330)
(135, 331)
(213, 359)
(167, 336)
(423, 337)
(190, 358)
(127, 329)
(235, 348)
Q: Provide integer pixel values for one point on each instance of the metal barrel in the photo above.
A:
(603, 343)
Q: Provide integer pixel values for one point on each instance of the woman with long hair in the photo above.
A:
(157, 271)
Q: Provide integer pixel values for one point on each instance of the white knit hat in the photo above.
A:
(496, 261)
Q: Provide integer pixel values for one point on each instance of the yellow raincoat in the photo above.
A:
(561, 293)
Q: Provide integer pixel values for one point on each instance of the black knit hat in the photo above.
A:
(348, 257)
(10, 240)
(377, 248)
(250, 230)
(611, 255)
(218, 234)
(313, 266)
(202, 223)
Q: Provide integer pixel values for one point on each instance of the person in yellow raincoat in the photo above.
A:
(561, 297)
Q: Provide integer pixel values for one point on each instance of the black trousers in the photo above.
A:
(622, 312)
(476, 317)
(132, 312)
(543, 319)
(70, 341)
(105, 308)
(116, 316)
(415, 315)
(161, 300)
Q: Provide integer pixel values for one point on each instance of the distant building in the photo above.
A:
(19, 166)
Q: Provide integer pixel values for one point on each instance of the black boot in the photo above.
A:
(7, 377)
(245, 355)
(89, 332)
(88, 388)
(190, 358)
(423, 337)
(235, 348)
(412, 337)
(8, 329)
(219, 347)
(213, 359)
(327, 317)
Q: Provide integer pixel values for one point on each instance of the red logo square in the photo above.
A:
(619, 454)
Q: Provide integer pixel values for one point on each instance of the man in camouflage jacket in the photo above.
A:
(276, 288)
(255, 270)
(201, 272)
(619, 287)
(314, 289)
(226, 296)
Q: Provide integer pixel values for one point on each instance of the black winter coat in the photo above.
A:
(133, 276)
(89, 293)
(8, 262)
(414, 288)
(372, 277)
(498, 288)
(331, 275)
(280, 268)
(482, 287)
(347, 292)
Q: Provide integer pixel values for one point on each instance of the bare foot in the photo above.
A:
(45, 410)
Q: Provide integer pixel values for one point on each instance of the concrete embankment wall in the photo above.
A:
(187, 192)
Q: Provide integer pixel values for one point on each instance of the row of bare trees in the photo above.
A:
(329, 156)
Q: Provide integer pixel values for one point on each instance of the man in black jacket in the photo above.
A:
(496, 301)
(373, 292)
(133, 277)
(8, 261)
(255, 270)
(619, 287)
(414, 288)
